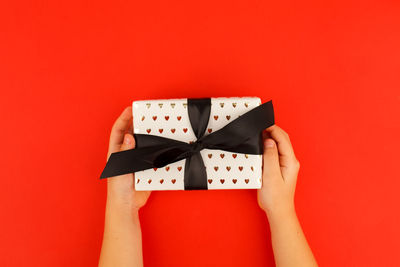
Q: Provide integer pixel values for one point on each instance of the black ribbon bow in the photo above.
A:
(242, 135)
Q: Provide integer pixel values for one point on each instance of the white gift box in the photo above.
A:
(169, 118)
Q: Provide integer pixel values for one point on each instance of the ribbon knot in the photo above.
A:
(196, 146)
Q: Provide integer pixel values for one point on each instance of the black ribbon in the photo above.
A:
(242, 135)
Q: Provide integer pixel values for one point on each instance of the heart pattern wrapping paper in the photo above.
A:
(169, 118)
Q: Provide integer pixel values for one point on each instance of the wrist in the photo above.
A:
(281, 213)
(119, 221)
(120, 207)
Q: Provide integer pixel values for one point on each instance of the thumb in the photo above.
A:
(271, 167)
(124, 182)
(129, 142)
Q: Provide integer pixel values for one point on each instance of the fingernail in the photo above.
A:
(127, 140)
(269, 143)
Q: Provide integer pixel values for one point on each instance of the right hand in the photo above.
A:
(280, 169)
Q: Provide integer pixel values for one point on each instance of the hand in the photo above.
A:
(276, 198)
(121, 189)
(122, 239)
(280, 169)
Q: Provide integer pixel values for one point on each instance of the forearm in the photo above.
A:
(288, 241)
(122, 241)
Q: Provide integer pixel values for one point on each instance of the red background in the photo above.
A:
(68, 68)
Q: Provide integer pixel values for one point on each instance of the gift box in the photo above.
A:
(176, 153)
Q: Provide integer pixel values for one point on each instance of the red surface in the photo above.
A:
(68, 68)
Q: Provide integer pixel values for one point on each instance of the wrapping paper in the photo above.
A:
(169, 118)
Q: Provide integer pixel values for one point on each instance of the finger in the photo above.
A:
(129, 142)
(123, 183)
(265, 135)
(287, 159)
(271, 168)
(118, 130)
(285, 149)
(130, 129)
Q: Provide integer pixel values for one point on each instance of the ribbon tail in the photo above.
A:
(195, 173)
(243, 135)
(139, 159)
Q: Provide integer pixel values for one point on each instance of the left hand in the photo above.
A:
(121, 189)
